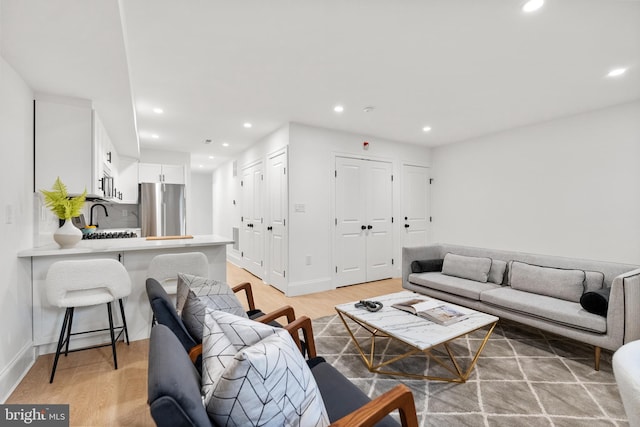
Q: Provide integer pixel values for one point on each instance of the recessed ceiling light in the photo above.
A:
(154, 136)
(207, 141)
(225, 144)
(616, 72)
(532, 5)
(338, 108)
(200, 166)
(247, 125)
(158, 110)
(211, 157)
(426, 129)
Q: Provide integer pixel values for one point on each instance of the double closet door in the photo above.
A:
(363, 223)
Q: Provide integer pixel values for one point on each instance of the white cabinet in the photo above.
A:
(127, 182)
(72, 143)
(168, 174)
(64, 144)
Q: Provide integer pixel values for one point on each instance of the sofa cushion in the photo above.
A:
(466, 267)
(202, 293)
(594, 280)
(424, 266)
(545, 307)
(596, 302)
(496, 273)
(254, 374)
(554, 282)
(453, 285)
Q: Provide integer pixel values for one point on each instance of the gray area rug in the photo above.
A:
(524, 377)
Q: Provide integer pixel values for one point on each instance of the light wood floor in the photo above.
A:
(98, 395)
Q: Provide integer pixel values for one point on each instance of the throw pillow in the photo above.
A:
(594, 281)
(596, 302)
(427, 265)
(496, 273)
(202, 293)
(554, 282)
(466, 267)
(254, 374)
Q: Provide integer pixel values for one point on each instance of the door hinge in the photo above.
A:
(335, 173)
(241, 219)
(430, 219)
(284, 273)
(261, 220)
(284, 170)
(241, 183)
(261, 177)
(391, 261)
(391, 220)
(336, 220)
(391, 177)
(430, 180)
(241, 254)
(336, 268)
(284, 222)
(261, 263)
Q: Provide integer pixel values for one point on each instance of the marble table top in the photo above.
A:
(411, 329)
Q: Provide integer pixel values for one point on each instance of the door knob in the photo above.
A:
(363, 227)
(406, 226)
(269, 228)
(369, 227)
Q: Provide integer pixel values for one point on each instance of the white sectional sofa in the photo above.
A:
(538, 290)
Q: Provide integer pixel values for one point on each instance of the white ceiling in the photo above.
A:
(464, 67)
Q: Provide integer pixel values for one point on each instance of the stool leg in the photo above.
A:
(113, 337)
(124, 321)
(60, 342)
(66, 349)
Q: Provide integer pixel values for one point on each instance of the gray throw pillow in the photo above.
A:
(466, 267)
(202, 293)
(554, 282)
(496, 273)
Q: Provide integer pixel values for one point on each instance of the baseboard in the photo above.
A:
(13, 373)
(234, 258)
(295, 289)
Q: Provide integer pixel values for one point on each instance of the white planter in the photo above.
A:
(68, 235)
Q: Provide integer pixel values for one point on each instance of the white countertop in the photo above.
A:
(124, 245)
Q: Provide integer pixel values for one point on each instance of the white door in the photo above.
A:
(351, 222)
(363, 238)
(251, 242)
(277, 221)
(415, 205)
(379, 209)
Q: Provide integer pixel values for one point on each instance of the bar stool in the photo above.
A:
(165, 268)
(83, 283)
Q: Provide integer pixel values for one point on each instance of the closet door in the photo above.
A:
(364, 204)
(252, 242)
(415, 205)
(379, 208)
(351, 222)
(276, 233)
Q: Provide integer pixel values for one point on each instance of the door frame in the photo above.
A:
(402, 201)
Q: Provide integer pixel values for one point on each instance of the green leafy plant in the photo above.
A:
(58, 200)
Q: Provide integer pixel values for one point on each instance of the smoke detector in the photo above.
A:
(207, 141)
(368, 109)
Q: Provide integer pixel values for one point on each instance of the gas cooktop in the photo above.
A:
(110, 235)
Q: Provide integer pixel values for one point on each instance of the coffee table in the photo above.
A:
(419, 335)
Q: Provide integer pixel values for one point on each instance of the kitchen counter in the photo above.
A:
(123, 245)
(135, 254)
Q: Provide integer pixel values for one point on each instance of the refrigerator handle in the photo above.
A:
(164, 218)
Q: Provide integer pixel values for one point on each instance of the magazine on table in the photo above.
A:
(433, 310)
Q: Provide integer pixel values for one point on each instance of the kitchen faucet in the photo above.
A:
(91, 217)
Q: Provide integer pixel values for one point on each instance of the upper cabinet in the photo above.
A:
(64, 145)
(72, 143)
(168, 174)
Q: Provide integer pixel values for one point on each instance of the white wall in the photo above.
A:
(16, 225)
(312, 152)
(202, 203)
(568, 187)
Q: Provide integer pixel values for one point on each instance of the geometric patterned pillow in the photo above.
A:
(201, 293)
(256, 376)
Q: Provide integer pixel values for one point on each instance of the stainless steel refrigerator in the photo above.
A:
(162, 209)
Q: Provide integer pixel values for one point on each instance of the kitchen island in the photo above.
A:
(135, 254)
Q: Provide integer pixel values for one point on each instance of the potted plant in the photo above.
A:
(65, 208)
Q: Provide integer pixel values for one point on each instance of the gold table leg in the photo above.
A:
(458, 376)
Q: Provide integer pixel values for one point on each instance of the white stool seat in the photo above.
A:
(82, 283)
(626, 368)
(165, 268)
